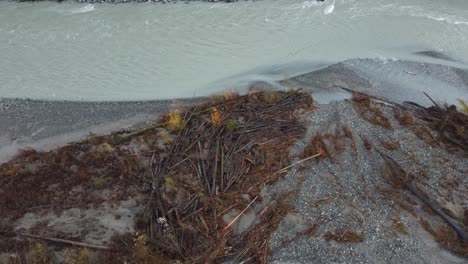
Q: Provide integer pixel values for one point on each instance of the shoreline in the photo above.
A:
(44, 125)
(332, 190)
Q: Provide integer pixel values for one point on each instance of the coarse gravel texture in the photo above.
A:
(346, 193)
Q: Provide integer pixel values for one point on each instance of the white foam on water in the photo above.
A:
(84, 9)
(310, 4)
(329, 9)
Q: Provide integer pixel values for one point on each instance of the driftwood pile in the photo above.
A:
(221, 157)
(451, 125)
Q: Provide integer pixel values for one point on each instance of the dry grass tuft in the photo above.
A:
(403, 117)
(464, 106)
(391, 145)
(396, 229)
(316, 146)
(349, 134)
(370, 111)
(445, 236)
(425, 135)
(229, 95)
(174, 121)
(216, 116)
(271, 97)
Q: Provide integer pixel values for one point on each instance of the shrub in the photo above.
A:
(231, 125)
(216, 116)
(175, 121)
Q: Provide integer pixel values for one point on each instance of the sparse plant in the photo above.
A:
(106, 147)
(271, 97)
(393, 145)
(231, 125)
(217, 98)
(39, 253)
(73, 257)
(229, 95)
(169, 183)
(175, 121)
(99, 183)
(216, 116)
(142, 254)
(140, 250)
(463, 105)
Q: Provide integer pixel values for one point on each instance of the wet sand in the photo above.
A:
(47, 124)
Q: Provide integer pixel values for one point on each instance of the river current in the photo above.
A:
(142, 51)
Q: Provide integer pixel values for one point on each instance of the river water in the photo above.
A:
(142, 51)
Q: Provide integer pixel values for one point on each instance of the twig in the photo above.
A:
(65, 241)
(240, 214)
(227, 209)
(177, 164)
(370, 96)
(298, 162)
(432, 100)
(40, 207)
(215, 169)
(408, 72)
(192, 214)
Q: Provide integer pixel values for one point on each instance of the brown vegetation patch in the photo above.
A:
(370, 111)
(425, 135)
(396, 229)
(349, 134)
(316, 146)
(451, 235)
(366, 143)
(38, 179)
(445, 236)
(344, 236)
(403, 116)
(394, 145)
(329, 145)
(450, 124)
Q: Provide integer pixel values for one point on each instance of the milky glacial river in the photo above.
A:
(141, 51)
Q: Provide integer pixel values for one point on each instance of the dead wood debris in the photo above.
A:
(208, 167)
(450, 124)
(211, 155)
